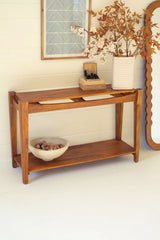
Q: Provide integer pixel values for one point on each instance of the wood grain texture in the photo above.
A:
(119, 120)
(23, 117)
(67, 93)
(137, 123)
(13, 127)
(27, 103)
(36, 107)
(81, 154)
(42, 29)
(15, 103)
(149, 139)
(42, 35)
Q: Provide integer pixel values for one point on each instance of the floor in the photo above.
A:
(108, 200)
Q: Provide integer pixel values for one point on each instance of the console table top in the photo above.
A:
(66, 93)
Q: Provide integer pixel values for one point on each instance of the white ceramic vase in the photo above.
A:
(123, 73)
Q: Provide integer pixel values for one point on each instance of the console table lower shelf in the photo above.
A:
(79, 154)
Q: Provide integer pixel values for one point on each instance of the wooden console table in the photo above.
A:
(29, 102)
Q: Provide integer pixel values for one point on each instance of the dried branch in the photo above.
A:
(118, 25)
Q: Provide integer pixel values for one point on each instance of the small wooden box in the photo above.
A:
(91, 84)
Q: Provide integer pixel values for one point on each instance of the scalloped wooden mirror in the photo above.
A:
(153, 84)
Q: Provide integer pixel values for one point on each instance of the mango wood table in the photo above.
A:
(29, 102)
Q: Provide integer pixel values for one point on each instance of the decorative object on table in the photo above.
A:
(48, 149)
(57, 17)
(91, 81)
(123, 73)
(152, 82)
(118, 31)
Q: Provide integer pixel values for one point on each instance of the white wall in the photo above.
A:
(22, 69)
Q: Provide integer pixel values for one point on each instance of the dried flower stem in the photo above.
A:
(118, 25)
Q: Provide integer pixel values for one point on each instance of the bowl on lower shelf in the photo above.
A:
(48, 155)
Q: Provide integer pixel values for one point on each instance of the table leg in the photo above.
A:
(119, 120)
(137, 123)
(23, 115)
(13, 127)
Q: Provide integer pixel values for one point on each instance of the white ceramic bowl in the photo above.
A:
(48, 155)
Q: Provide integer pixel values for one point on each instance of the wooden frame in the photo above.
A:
(29, 102)
(44, 56)
(149, 139)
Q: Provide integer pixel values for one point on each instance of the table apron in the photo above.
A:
(38, 107)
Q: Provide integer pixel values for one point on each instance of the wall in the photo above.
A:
(22, 69)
